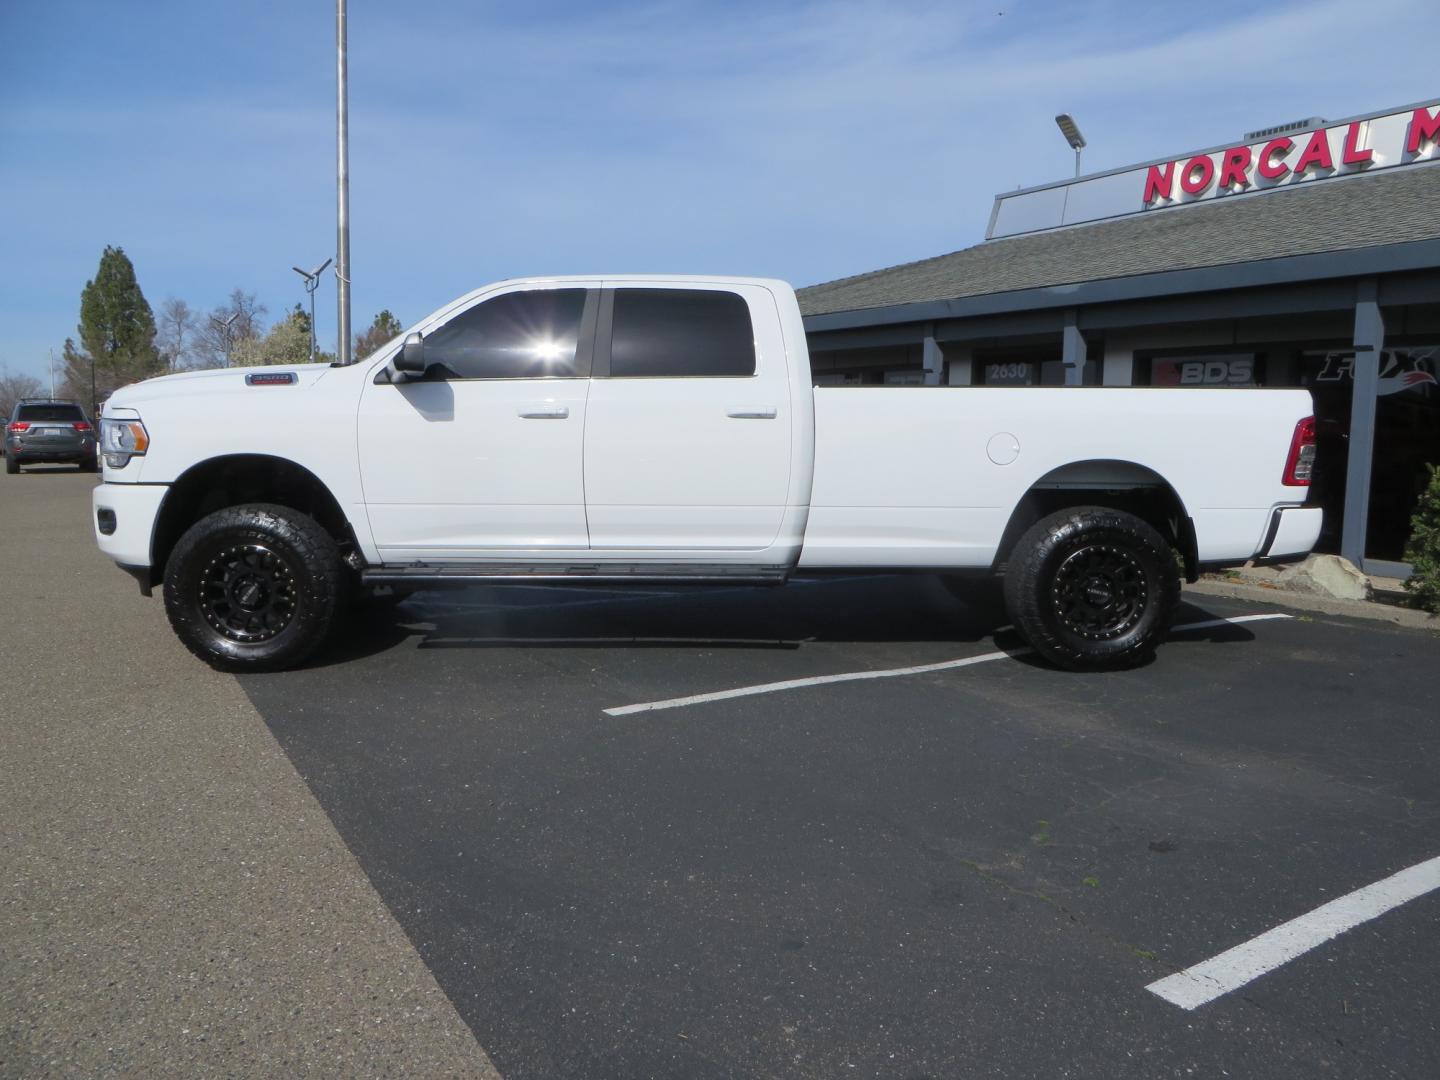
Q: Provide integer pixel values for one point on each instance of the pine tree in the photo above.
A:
(117, 333)
(385, 327)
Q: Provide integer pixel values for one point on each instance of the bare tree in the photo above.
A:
(176, 338)
(13, 388)
(240, 318)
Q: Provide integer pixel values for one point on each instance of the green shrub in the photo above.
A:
(1423, 550)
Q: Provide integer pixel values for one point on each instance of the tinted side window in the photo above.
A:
(521, 335)
(681, 332)
(42, 413)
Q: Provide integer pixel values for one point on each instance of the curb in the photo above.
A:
(1357, 609)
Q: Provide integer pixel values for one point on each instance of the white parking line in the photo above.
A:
(884, 673)
(1232, 969)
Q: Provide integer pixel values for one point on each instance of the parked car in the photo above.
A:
(43, 431)
(666, 429)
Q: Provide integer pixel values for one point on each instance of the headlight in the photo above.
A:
(120, 440)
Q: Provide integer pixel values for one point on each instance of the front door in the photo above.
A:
(687, 436)
(483, 457)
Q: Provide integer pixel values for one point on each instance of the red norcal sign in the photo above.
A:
(1244, 167)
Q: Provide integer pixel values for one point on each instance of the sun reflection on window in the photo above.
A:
(548, 350)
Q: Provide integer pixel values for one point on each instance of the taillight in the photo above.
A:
(81, 425)
(1301, 461)
(19, 426)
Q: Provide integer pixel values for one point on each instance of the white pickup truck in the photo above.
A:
(665, 429)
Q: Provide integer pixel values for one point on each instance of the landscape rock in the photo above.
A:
(1328, 575)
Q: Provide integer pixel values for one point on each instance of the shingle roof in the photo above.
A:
(1390, 207)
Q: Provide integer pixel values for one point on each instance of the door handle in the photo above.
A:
(543, 412)
(752, 412)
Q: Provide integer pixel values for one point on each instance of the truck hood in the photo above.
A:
(212, 381)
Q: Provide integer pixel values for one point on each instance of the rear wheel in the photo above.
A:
(253, 587)
(1092, 588)
(11, 465)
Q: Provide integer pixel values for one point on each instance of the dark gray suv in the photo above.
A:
(42, 430)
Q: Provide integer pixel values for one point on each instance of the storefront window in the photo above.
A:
(1407, 438)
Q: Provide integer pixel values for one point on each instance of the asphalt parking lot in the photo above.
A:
(973, 869)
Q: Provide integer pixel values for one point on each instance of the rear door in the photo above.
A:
(687, 432)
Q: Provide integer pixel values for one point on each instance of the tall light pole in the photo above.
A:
(1071, 133)
(312, 282)
(342, 184)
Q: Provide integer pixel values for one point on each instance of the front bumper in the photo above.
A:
(131, 510)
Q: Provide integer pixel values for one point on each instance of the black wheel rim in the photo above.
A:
(1100, 591)
(247, 593)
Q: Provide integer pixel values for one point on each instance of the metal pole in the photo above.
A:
(312, 321)
(1077, 163)
(1369, 344)
(342, 183)
(52, 374)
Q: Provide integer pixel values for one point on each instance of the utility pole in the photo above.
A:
(52, 374)
(342, 184)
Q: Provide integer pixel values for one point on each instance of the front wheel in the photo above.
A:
(1091, 588)
(253, 587)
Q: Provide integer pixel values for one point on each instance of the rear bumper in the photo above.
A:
(1292, 533)
(131, 510)
(75, 448)
(47, 455)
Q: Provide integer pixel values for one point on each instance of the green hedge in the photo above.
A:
(1423, 550)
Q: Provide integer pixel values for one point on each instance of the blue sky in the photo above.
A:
(806, 140)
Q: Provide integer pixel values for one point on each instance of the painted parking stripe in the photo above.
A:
(1232, 969)
(884, 673)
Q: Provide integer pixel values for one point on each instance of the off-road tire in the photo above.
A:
(280, 560)
(1092, 589)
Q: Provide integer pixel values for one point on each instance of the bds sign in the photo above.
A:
(1204, 371)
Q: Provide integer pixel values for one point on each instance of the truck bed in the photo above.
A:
(929, 476)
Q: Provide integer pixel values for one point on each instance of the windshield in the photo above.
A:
(39, 414)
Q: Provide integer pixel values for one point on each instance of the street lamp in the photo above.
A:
(223, 325)
(342, 187)
(312, 282)
(1072, 136)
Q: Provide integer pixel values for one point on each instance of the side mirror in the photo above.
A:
(411, 357)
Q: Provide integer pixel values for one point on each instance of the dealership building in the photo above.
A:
(1306, 255)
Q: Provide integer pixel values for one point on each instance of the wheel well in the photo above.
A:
(1120, 485)
(241, 478)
